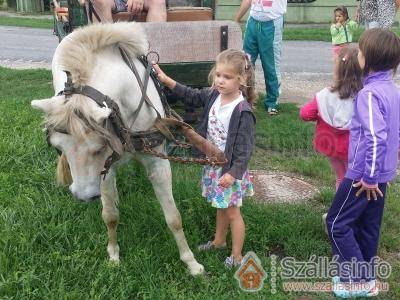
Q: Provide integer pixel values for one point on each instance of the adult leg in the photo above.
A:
(222, 226)
(110, 214)
(159, 173)
(103, 9)
(346, 209)
(250, 41)
(156, 10)
(270, 41)
(386, 13)
(237, 229)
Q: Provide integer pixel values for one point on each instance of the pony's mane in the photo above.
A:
(78, 48)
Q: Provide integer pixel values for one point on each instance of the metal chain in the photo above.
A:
(184, 160)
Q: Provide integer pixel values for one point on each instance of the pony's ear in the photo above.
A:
(47, 105)
(100, 114)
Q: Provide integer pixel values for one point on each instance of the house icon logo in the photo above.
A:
(251, 274)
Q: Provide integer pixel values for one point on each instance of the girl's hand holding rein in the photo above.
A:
(164, 78)
(370, 190)
(226, 180)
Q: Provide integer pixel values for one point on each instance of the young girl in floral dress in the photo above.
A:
(228, 122)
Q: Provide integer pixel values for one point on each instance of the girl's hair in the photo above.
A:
(381, 50)
(348, 73)
(343, 10)
(241, 65)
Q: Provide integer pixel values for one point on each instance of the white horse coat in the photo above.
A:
(92, 56)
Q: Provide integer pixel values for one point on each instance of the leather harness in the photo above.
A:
(139, 140)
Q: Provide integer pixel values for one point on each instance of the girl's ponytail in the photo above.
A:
(249, 90)
(348, 73)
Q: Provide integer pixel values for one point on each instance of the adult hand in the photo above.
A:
(370, 190)
(135, 6)
(226, 180)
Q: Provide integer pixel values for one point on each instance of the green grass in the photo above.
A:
(290, 33)
(26, 22)
(318, 34)
(54, 247)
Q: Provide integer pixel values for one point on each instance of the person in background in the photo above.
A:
(376, 13)
(342, 29)
(263, 37)
(156, 9)
(332, 108)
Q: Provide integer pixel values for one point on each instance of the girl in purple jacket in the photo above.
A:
(354, 219)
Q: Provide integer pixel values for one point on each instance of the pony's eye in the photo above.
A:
(100, 150)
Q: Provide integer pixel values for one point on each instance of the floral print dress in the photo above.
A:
(217, 132)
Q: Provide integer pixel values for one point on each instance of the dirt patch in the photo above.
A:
(277, 187)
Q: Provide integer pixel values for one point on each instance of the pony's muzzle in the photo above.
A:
(87, 195)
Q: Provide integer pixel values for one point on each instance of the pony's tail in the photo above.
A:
(64, 177)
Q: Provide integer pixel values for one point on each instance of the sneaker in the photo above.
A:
(230, 262)
(272, 111)
(341, 290)
(373, 289)
(373, 292)
(210, 246)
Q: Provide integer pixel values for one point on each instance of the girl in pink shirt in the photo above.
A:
(332, 108)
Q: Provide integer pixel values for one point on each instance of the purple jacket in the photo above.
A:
(375, 129)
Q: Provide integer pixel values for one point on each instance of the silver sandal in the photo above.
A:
(210, 246)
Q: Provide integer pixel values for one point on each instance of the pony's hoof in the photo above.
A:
(113, 254)
(114, 261)
(197, 270)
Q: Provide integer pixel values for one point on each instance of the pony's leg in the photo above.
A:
(110, 214)
(159, 173)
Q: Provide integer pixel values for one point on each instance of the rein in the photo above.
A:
(145, 141)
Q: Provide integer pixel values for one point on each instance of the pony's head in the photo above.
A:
(75, 127)
(76, 124)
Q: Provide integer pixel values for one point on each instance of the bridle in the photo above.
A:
(131, 141)
(142, 141)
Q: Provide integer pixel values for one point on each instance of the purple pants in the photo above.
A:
(353, 225)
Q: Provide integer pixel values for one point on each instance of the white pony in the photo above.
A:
(93, 58)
